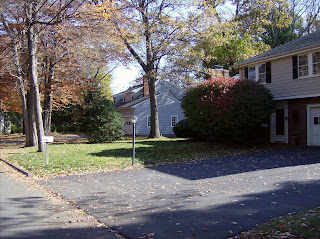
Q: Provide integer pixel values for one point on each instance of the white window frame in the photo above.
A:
(174, 122)
(305, 65)
(310, 65)
(250, 75)
(148, 121)
(314, 63)
(260, 74)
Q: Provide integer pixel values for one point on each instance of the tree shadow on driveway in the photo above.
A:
(242, 163)
(222, 166)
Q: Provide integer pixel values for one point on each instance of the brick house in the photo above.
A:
(292, 73)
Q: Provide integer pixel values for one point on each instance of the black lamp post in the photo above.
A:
(133, 121)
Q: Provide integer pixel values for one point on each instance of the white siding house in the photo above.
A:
(136, 101)
(292, 73)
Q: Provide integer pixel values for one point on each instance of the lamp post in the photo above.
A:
(133, 121)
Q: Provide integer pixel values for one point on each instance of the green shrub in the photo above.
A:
(183, 129)
(15, 129)
(101, 121)
(231, 110)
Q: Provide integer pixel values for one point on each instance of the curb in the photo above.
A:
(16, 168)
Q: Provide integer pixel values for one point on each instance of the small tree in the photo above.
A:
(230, 109)
(101, 121)
(200, 104)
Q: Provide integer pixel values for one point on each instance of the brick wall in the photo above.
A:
(297, 119)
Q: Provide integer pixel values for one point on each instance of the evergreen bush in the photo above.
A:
(101, 121)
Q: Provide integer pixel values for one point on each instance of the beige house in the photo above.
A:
(292, 73)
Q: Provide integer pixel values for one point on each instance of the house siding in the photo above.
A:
(284, 86)
(167, 107)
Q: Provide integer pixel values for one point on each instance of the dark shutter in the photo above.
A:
(268, 72)
(295, 67)
(246, 73)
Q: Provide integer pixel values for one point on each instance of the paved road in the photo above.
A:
(27, 212)
(214, 198)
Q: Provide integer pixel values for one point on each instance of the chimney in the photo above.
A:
(145, 85)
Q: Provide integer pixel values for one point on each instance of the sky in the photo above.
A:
(122, 77)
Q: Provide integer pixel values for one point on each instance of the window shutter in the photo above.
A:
(268, 72)
(295, 67)
(246, 72)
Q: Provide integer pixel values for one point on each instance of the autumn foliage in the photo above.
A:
(227, 108)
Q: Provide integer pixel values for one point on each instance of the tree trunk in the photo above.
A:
(32, 34)
(32, 140)
(1, 119)
(47, 107)
(21, 80)
(155, 129)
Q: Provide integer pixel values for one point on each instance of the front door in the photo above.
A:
(315, 126)
(279, 124)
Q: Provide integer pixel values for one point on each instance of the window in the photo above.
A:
(124, 98)
(306, 65)
(174, 120)
(148, 121)
(128, 123)
(316, 63)
(252, 73)
(316, 120)
(262, 73)
(303, 65)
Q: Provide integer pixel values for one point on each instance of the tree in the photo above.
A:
(16, 34)
(150, 30)
(225, 46)
(101, 121)
(27, 23)
(277, 22)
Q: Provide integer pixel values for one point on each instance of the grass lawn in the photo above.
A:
(81, 158)
(295, 225)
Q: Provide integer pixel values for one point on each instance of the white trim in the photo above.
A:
(309, 106)
(148, 117)
(296, 97)
(273, 137)
(176, 116)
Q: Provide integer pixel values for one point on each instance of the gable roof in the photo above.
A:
(298, 45)
(134, 102)
(162, 87)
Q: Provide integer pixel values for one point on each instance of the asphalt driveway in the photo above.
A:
(214, 198)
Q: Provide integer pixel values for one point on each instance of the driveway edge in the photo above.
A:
(16, 168)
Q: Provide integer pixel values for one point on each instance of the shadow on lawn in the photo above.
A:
(159, 152)
(220, 166)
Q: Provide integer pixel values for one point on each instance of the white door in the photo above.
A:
(315, 126)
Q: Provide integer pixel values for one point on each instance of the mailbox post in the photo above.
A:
(47, 140)
(133, 121)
